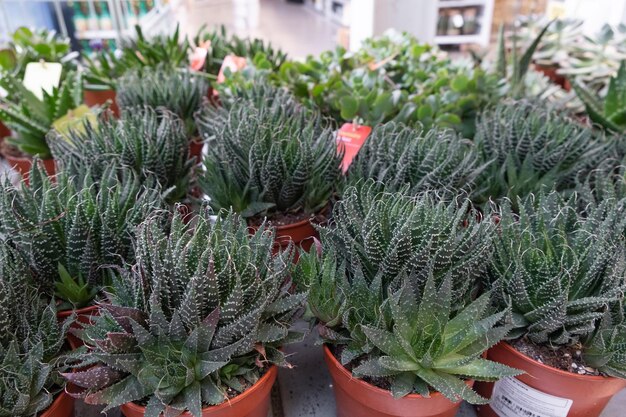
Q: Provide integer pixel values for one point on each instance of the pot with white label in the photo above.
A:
(543, 391)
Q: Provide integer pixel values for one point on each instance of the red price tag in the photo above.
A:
(350, 138)
(234, 63)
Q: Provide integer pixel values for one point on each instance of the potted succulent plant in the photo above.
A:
(31, 344)
(562, 275)
(530, 148)
(398, 155)
(71, 231)
(150, 142)
(104, 69)
(392, 290)
(179, 91)
(270, 159)
(196, 327)
(30, 119)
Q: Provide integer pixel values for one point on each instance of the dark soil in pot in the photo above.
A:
(357, 398)
(544, 387)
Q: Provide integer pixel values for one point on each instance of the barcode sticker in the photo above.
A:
(513, 398)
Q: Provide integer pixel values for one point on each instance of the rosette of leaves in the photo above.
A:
(605, 350)
(530, 149)
(392, 288)
(268, 158)
(70, 233)
(376, 240)
(204, 310)
(106, 66)
(150, 142)
(31, 118)
(425, 160)
(179, 91)
(560, 272)
(31, 340)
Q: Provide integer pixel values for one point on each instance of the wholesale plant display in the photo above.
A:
(203, 313)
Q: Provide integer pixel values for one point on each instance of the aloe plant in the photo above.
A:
(268, 158)
(559, 271)
(398, 155)
(150, 142)
(70, 234)
(31, 340)
(203, 311)
(181, 92)
(611, 114)
(393, 285)
(530, 149)
(32, 118)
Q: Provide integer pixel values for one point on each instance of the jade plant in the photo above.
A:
(31, 341)
(150, 142)
(106, 67)
(31, 118)
(531, 148)
(202, 314)
(72, 231)
(270, 158)
(398, 155)
(392, 289)
(559, 271)
(179, 91)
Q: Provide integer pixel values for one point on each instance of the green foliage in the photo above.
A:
(612, 114)
(268, 157)
(393, 286)
(530, 149)
(606, 349)
(397, 155)
(76, 226)
(104, 70)
(32, 118)
(560, 272)
(152, 143)
(181, 92)
(31, 339)
(204, 310)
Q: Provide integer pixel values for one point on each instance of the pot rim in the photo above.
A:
(270, 374)
(369, 387)
(507, 346)
(28, 158)
(82, 310)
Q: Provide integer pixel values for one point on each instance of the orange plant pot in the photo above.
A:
(254, 402)
(62, 406)
(195, 150)
(589, 394)
(84, 315)
(99, 97)
(300, 233)
(551, 73)
(23, 164)
(356, 398)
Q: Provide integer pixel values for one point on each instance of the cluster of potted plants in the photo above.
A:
(469, 251)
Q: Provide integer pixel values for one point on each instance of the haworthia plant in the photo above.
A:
(150, 142)
(70, 233)
(438, 160)
(559, 271)
(203, 312)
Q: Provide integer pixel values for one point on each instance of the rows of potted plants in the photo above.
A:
(472, 263)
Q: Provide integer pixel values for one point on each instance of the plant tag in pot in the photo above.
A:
(350, 138)
(233, 63)
(42, 76)
(513, 398)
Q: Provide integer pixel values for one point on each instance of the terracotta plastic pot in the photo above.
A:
(589, 394)
(99, 97)
(552, 74)
(254, 402)
(84, 315)
(195, 150)
(4, 131)
(356, 398)
(62, 406)
(300, 233)
(22, 164)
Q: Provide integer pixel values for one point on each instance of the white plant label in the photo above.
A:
(42, 76)
(513, 398)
